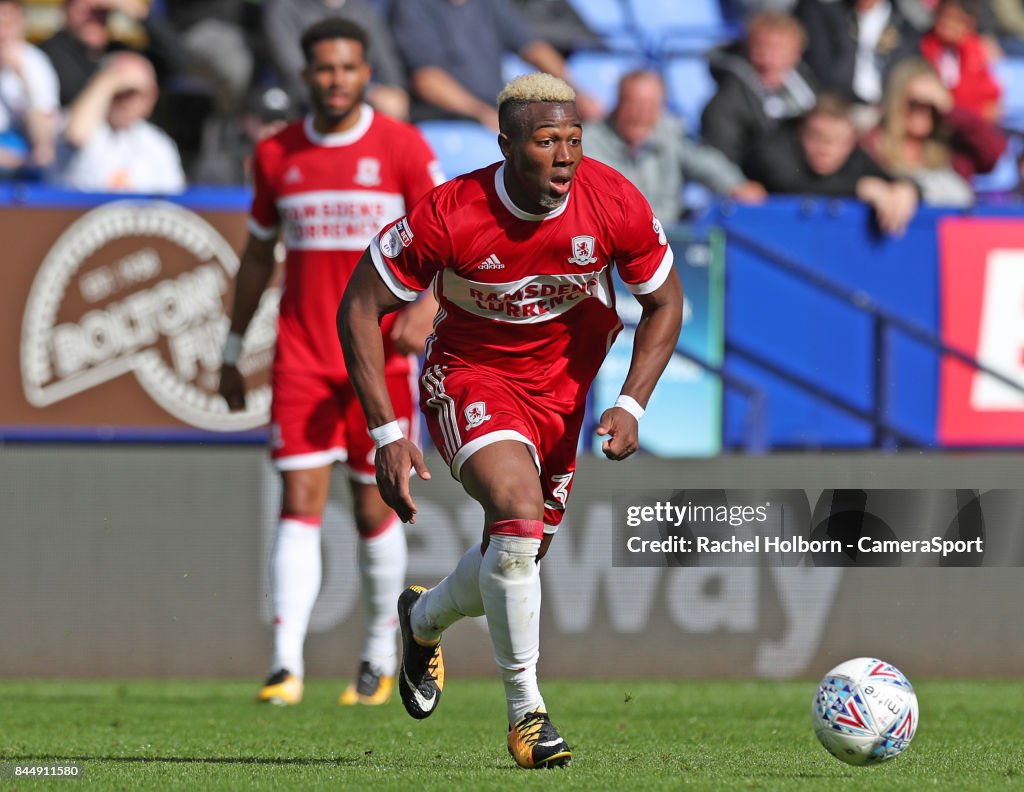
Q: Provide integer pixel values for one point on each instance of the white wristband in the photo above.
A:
(630, 405)
(388, 433)
(232, 349)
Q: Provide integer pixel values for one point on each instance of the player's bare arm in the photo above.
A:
(653, 344)
(366, 300)
(254, 272)
(413, 324)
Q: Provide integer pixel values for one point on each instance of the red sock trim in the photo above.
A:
(383, 528)
(312, 520)
(530, 529)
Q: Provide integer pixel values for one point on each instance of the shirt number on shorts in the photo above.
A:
(561, 490)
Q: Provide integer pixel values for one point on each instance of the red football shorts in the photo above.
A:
(466, 409)
(316, 421)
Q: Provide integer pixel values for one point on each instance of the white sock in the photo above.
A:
(295, 572)
(510, 589)
(382, 560)
(456, 596)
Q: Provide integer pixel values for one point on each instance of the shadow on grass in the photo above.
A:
(244, 760)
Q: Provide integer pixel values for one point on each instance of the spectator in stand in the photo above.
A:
(564, 29)
(958, 53)
(77, 50)
(453, 50)
(283, 24)
(650, 148)
(29, 102)
(108, 145)
(735, 11)
(919, 13)
(852, 45)
(222, 41)
(1009, 16)
(823, 158)
(267, 111)
(213, 33)
(761, 85)
(927, 138)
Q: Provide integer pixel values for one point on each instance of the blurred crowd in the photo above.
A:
(891, 101)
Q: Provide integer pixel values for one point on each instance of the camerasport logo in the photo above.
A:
(139, 287)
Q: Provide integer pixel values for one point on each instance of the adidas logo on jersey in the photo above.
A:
(292, 175)
(490, 263)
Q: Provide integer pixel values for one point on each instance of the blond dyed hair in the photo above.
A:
(536, 87)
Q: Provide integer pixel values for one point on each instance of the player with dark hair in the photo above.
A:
(520, 255)
(325, 186)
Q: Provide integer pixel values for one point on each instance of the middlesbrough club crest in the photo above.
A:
(367, 172)
(582, 250)
(476, 414)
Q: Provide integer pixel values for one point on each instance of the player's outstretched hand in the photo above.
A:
(232, 388)
(622, 431)
(394, 461)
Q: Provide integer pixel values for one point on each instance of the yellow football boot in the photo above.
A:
(370, 687)
(281, 688)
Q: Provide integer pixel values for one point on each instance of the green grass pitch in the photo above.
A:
(210, 735)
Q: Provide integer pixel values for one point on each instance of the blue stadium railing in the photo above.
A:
(886, 434)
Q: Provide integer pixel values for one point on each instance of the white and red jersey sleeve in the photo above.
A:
(642, 254)
(263, 216)
(411, 251)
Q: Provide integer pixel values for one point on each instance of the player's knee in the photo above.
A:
(371, 521)
(516, 501)
(372, 515)
(524, 509)
(302, 495)
(301, 502)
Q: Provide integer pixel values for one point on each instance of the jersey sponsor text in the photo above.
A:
(533, 299)
(336, 219)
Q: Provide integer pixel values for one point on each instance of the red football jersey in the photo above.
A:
(528, 295)
(327, 196)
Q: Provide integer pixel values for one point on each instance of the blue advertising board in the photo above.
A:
(781, 328)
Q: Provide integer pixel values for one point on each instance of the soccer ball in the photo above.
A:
(865, 711)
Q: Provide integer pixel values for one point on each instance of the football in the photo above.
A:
(865, 711)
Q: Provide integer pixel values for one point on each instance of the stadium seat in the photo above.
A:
(461, 146)
(1010, 74)
(658, 19)
(598, 73)
(697, 197)
(611, 20)
(696, 42)
(513, 66)
(673, 13)
(604, 17)
(689, 87)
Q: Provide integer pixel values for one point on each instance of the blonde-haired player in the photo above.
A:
(521, 255)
